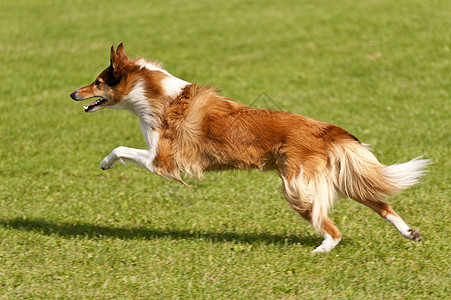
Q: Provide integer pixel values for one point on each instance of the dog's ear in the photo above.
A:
(117, 57)
(121, 52)
(113, 58)
(118, 61)
(115, 68)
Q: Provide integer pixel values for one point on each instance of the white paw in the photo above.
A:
(328, 244)
(107, 162)
(413, 235)
(321, 249)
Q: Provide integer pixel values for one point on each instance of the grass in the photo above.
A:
(380, 69)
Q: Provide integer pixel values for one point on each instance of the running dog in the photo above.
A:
(191, 129)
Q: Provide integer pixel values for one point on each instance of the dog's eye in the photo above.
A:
(98, 82)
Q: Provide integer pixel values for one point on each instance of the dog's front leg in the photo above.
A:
(140, 157)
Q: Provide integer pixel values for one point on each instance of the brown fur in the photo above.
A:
(202, 131)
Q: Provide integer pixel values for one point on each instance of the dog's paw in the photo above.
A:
(107, 163)
(104, 165)
(328, 244)
(414, 234)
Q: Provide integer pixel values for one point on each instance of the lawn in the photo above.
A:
(380, 69)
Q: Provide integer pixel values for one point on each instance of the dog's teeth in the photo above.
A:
(85, 107)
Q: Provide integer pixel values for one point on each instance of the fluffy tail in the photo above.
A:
(360, 175)
(353, 171)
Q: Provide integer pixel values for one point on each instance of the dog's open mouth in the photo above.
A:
(95, 105)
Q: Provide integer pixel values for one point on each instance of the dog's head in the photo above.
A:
(110, 86)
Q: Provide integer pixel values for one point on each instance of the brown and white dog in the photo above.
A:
(191, 129)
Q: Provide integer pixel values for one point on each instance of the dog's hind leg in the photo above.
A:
(330, 232)
(387, 212)
(331, 236)
(312, 199)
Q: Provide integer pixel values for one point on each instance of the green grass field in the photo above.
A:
(380, 69)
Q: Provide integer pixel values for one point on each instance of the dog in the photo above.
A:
(191, 129)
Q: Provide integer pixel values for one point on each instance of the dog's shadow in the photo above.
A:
(91, 231)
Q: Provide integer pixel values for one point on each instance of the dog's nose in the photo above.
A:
(74, 95)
